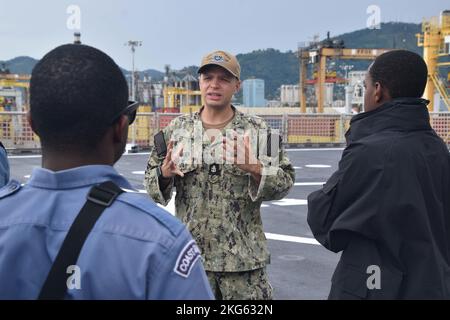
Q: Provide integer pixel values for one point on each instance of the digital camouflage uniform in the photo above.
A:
(221, 209)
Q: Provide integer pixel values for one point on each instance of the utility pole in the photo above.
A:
(133, 45)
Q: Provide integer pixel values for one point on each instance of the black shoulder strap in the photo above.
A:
(99, 198)
(2, 146)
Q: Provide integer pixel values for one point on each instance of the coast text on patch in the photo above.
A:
(187, 258)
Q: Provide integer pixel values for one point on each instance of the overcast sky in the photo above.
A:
(180, 32)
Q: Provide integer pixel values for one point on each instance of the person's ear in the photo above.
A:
(378, 92)
(238, 86)
(120, 129)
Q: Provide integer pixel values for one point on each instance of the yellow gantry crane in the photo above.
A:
(15, 80)
(435, 40)
(175, 97)
(14, 129)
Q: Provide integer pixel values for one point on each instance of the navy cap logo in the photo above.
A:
(186, 259)
(218, 58)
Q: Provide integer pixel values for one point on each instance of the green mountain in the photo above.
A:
(19, 65)
(276, 67)
(154, 74)
(25, 65)
(396, 35)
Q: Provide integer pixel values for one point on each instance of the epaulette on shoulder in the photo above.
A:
(10, 188)
(184, 117)
(143, 203)
(255, 120)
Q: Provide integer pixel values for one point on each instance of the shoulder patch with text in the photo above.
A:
(186, 259)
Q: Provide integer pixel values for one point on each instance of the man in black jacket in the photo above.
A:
(388, 205)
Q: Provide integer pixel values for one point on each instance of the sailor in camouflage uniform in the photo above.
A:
(220, 201)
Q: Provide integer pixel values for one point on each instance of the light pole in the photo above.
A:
(133, 45)
(348, 89)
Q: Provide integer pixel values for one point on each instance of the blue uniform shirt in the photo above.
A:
(4, 167)
(136, 250)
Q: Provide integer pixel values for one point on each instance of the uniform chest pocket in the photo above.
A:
(190, 185)
(187, 168)
(235, 182)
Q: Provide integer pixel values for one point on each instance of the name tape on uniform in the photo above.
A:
(187, 258)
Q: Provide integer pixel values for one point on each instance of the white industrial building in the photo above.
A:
(289, 94)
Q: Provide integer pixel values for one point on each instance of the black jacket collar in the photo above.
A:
(400, 114)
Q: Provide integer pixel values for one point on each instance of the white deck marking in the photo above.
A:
(290, 202)
(318, 166)
(313, 149)
(302, 184)
(25, 157)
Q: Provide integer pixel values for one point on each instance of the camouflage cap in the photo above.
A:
(223, 59)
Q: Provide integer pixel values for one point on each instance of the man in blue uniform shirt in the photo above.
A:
(4, 166)
(136, 250)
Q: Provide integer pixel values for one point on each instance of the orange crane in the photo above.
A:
(317, 54)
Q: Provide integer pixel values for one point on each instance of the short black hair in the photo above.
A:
(75, 92)
(403, 73)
